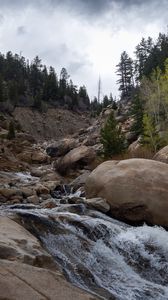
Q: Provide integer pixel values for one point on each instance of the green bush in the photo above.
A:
(112, 138)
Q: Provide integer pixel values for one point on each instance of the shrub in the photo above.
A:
(112, 138)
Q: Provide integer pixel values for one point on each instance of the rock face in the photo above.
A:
(54, 123)
(162, 155)
(136, 189)
(20, 281)
(29, 272)
(16, 243)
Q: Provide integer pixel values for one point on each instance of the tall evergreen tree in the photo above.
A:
(125, 73)
(137, 111)
(63, 82)
(112, 138)
(143, 50)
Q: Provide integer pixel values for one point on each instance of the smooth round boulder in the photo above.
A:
(62, 147)
(80, 156)
(136, 189)
(162, 155)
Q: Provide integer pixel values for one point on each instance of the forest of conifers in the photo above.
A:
(144, 83)
(33, 84)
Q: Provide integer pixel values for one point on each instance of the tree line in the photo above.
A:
(25, 83)
(32, 84)
(143, 82)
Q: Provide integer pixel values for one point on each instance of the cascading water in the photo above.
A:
(99, 254)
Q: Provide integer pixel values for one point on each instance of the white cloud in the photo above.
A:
(87, 47)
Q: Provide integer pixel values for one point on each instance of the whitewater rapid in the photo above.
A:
(101, 255)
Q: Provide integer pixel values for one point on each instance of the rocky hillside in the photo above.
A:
(53, 124)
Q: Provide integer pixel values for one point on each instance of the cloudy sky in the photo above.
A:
(84, 36)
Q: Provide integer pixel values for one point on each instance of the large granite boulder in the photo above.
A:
(27, 271)
(162, 155)
(78, 157)
(62, 147)
(16, 243)
(136, 189)
(21, 281)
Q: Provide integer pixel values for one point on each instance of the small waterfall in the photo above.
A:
(99, 254)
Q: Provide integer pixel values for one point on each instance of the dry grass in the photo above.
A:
(140, 153)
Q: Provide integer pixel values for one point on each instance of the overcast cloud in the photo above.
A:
(85, 36)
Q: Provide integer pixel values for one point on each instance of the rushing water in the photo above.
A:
(101, 255)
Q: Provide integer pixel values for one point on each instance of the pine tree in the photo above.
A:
(136, 112)
(150, 137)
(1, 90)
(37, 102)
(112, 138)
(106, 101)
(143, 50)
(63, 82)
(125, 72)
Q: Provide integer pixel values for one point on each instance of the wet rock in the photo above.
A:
(16, 243)
(136, 189)
(51, 185)
(33, 199)
(60, 191)
(41, 189)
(27, 192)
(75, 200)
(43, 197)
(29, 272)
(16, 201)
(98, 203)
(51, 176)
(80, 180)
(36, 283)
(50, 203)
(79, 209)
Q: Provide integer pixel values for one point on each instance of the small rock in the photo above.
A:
(27, 192)
(98, 203)
(33, 199)
(41, 189)
(50, 203)
(39, 157)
